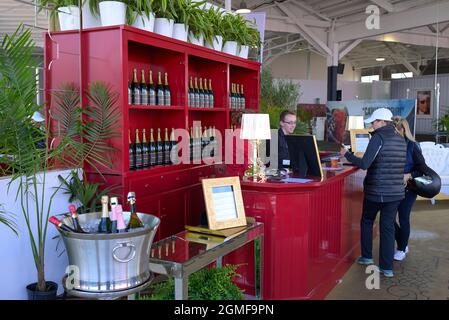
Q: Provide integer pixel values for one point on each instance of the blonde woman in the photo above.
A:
(415, 163)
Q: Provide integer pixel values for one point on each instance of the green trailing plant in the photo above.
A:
(54, 5)
(189, 13)
(131, 7)
(7, 220)
(206, 284)
(137, 7)
(237, 28)
(20, 155)
(88, 194)
(213, 24)
(443, 123)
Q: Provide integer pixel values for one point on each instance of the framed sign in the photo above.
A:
(359, 140)
(424, 103)
(224, 203)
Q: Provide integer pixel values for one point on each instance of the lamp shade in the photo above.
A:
(255, 126)
(355, 122)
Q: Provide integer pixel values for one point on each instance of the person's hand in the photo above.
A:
(407, 177)
(343, 151)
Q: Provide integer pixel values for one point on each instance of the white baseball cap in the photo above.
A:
(38, 117)
(380, 114)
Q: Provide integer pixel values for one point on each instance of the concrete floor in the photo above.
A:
(422, 275)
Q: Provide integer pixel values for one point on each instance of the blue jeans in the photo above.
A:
(388, 211)
(402, 230)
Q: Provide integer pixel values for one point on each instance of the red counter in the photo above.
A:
(312, 233)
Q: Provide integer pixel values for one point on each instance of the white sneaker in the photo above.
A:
(406, 249)
(399, 255)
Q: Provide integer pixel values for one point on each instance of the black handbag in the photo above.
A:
(426, 184)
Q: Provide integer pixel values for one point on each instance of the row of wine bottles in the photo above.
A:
(110, 222)
(201, 97)
(141, 93)
(237, 98)
(153, 153)
(198, 141)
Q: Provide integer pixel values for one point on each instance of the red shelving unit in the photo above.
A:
(109, 54)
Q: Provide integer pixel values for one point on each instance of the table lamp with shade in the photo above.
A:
(255, 127)
(354, 122)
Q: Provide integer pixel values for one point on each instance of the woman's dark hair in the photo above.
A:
(285, 113)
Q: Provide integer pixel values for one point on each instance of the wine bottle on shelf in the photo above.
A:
(191, 144)
(167, 93)
(105, 221)
(197, 94)
(136, 89)
(203, 140)
(143, 89)
(151, 90)
(145, 151)
(75, 220)
(211, 95)
(201, 94)
(243, 98)
(58, 223)
(206, 94)
(159, 148)
(153, 150)
(233, 97)
(197, 146)
(130, 93)
(166, 148)
(237, 97)
(134, 220)
(139, 152)
(132, 153)
(213, 142)
(113, 215)
(160, 91)
(173, 147)
(191, 101)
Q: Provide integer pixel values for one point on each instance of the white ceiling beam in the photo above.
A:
(394, 22)
(310, 10)
(305, 31)
(348, 48)
(397, 55)
(414, 38)
(282, 45)
(385, 4)
(308, 22)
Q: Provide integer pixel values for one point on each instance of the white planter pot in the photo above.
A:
(180, 31)
(69, 18)
(230, 47)
(112, 13)
(164, 26)
(89, 20)
(194, 40)
(144, 22)
(217, 43)
(243, 52)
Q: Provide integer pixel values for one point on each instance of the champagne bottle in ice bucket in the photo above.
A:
(134, 221)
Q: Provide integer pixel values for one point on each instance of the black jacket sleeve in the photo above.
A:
(371, 152)
(419, 163)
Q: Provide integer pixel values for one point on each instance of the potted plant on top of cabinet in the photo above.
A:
(67, 12)
(248, 36)
(213, 33)
(231, 30)
(143, 16)
(165, 13)
(112, 12)
(188, 15)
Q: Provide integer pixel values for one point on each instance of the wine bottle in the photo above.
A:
(191, 144)
(159, 148)
(60, 225)
(136, 89)
(243, 98)
(139, 152)
(121, 226)
(153, 150)
(75, 220)
(145, 151)
(143, 89)
(167, 93)
(197, 145)
(233, 97)
(151, 91)
(130, 93)
(105, 221)
(211, 95)
(203, 140)
(113, 216)
(173, 147)
(134, 221)
(166, 148)
(197, 94)
(237, 97)
(206, 94)
(132, 153)
(191, 94)
(213, 142)
(160, 91)
(201, 94)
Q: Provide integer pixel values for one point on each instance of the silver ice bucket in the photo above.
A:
(102, 263)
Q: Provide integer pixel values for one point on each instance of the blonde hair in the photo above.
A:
(401, 124)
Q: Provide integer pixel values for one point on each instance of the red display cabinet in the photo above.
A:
(109, 54)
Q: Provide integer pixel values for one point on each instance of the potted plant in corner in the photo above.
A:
(26, 161)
